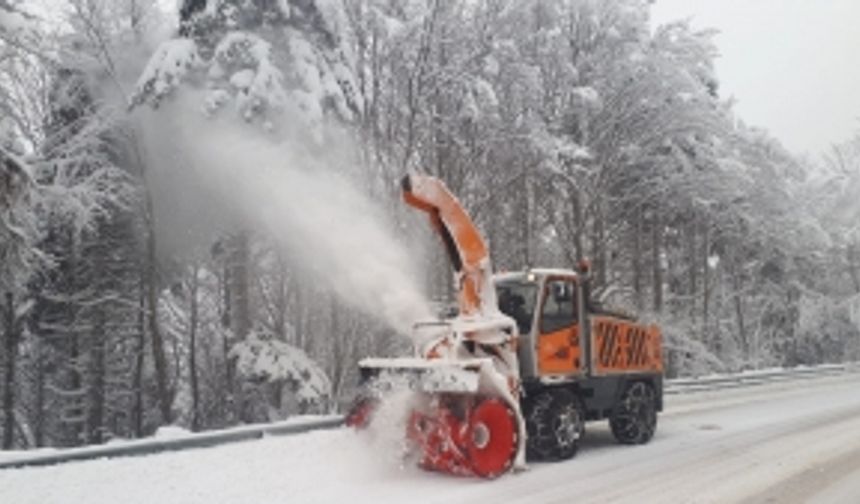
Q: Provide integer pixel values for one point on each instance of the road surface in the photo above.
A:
(782, 443)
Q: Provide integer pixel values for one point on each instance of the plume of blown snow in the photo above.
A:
(306, 202)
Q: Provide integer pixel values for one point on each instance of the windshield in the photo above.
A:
(517, 300)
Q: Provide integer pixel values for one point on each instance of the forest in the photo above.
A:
(200, 216)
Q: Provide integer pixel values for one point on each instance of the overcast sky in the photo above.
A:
(792, 65)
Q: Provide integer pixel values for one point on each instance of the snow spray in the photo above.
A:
(314, 211)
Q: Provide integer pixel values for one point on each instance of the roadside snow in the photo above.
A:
(713, 447)
(172, 432)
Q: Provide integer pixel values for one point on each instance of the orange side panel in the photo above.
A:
(621, 346)
(559, 352)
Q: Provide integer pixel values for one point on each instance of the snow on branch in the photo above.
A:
(168, 67)
(13, 21)
(260, 357)
(242, 64)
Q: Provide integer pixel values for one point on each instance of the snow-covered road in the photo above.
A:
(783, 442)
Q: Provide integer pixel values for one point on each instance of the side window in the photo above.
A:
(559, 306)
(517, 300)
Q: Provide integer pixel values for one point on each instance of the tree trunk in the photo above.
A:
(240, 305)
(656, 245)
(637, 261)
(693, 268)
(706, 277)
(146, 279)
(282, 302)
(72, 435)
(601, 257)
(158, 355)
(226, 340)
(577, 224)
(96, 389)
(238, 284)
(192, 354)
(140, 353)
(337, 348)
(11, 332)
(739, 311)
(299, 310)
(853, 266)
(528, 222)
(39, 399)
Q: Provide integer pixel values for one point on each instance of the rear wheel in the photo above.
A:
(555, 422)
(635, 418)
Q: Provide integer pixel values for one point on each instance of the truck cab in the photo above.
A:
(572, 350)
(546, 307)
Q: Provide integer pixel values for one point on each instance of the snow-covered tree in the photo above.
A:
(568, 129)
(275, 70)
(20, 260)
(264, 360)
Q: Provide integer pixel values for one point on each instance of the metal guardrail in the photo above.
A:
(248, 433)
(746, 379)
(152, 446)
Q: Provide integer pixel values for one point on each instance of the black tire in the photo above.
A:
(634, 420)
(555, 423)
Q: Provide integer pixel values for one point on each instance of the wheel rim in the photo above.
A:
(568, 429)
(493, 438)
(636, 420)
(480, 435)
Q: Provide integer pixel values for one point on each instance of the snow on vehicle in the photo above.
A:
(526, 362)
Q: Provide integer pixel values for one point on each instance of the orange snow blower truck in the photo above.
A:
(526, 362)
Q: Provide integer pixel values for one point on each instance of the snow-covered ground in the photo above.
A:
(783, 442)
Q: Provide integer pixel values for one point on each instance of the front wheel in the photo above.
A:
(555, 421)
(634, 420)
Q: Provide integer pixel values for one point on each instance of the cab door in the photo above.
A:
(558, 343)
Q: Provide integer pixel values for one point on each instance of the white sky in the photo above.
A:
(792, 65)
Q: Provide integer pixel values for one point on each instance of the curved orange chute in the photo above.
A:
(465, 245)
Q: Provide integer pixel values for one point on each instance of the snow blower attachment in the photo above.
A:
(465, 416)
(458, 422)
(527, 361)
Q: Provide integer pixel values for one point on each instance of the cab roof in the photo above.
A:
(537, 272)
